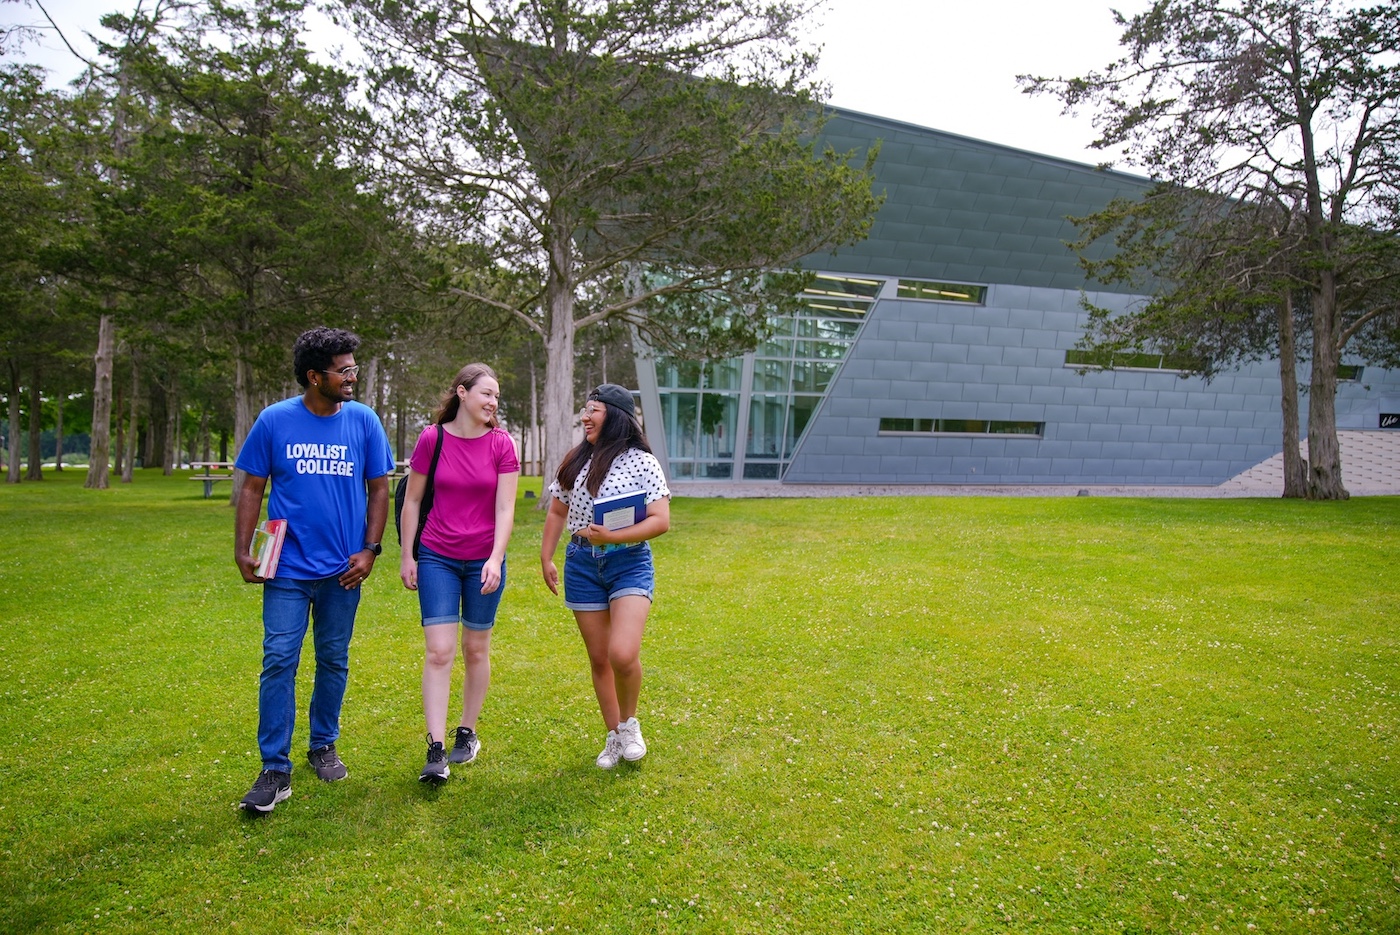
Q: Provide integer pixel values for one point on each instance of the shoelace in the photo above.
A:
(266, 780)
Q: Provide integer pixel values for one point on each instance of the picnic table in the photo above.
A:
(211, 472)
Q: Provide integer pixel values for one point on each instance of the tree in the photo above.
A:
(36, 197)
(647, 164)
(1222, 296)
(239, 192)
(1261, 103)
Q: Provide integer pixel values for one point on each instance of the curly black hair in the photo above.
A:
(317, 349)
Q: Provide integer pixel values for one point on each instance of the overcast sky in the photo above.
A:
(951, 65)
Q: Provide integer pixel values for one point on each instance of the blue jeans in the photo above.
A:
(449, 591)
(288, 607)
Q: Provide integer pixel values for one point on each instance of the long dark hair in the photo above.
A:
(468, 376)
(620, 431)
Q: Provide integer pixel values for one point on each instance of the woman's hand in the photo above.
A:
(490, 576)
(600, 535)
(551, 574)
(408, 571)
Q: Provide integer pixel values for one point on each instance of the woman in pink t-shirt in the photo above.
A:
(460, 568)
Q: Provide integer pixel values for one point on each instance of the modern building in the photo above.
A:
(941, 350)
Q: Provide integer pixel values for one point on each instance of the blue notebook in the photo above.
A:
(620, 510)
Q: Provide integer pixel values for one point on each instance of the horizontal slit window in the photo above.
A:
(1130, 361)
(960, 427)
(942, 291)
(1349, 372)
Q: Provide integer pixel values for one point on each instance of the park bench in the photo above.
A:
(211, 472)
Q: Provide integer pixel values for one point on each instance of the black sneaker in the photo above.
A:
(327, 763)
(436, 770)
(465, 747)
(272, 786)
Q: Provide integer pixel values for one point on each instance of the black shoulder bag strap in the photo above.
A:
(427, 503)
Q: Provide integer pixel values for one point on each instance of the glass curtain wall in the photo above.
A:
(743, 417)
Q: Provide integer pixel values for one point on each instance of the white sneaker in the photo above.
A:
(611, 751)
(629, 732)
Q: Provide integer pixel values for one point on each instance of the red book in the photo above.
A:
(266, 547)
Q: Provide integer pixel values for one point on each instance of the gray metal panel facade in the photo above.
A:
(964, 210)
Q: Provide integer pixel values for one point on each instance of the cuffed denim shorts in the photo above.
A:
(594, 576)
(449, 591)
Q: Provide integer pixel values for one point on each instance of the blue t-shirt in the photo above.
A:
(318, 466)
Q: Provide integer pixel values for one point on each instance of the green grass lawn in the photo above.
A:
(864, 715)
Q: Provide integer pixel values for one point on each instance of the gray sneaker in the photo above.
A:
(437, 769)
(271, 786)
(327, 763)
(465, 747)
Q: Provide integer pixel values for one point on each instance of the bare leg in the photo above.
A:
(629, 619)
(476, 654)
(441, 650)
(613, 639)
(595, 627)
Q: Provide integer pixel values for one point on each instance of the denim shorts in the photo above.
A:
(595, 576)
(449, 591)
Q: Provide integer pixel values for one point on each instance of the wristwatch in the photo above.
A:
(375, 547)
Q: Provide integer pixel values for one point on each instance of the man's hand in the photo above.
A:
(246, 563)
(245, 520)
(361, 564)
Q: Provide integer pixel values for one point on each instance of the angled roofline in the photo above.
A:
(894, 124)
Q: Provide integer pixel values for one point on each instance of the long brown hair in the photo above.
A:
(468, 376)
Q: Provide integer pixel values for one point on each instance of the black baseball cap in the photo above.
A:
(615, 395)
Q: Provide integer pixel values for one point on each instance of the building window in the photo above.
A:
(1125, 360)
(942, 291)
(714, 423)
(1349, 373)
(960, 427)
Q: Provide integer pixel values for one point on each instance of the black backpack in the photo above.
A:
(401, 491)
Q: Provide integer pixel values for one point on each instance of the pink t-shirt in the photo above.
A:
(462, 522)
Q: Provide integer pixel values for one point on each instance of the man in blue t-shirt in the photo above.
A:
(323, 452)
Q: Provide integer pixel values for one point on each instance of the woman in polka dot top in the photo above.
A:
(609, 579)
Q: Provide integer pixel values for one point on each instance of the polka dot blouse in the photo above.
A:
(632, 470)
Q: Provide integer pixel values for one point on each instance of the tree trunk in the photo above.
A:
(154, 442)
(1295, 469)
(204, 433)
(58, 432)
(100, 452)
(134, 428)
(36, 429)
(535, 418)
(13, 435)
(121, 433)
(171, 454)
(559, 404)
(400, 424)
(373, 389)
(242, 415)
(1324, 453)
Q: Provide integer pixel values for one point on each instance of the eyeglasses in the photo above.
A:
(592, 411)
(344, 372)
